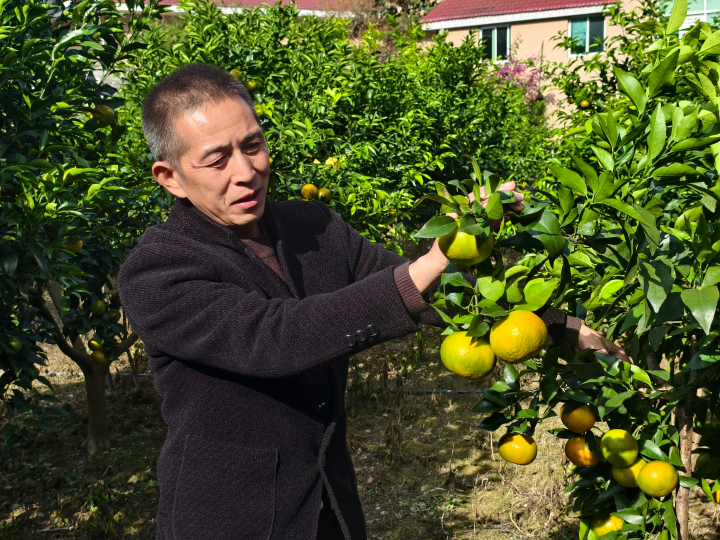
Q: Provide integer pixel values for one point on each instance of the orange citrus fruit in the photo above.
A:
(578, 420)
(716, 497)
(324, 195)
(657, 479)
(466, 358)
(462, 248)
(99, 308)
(619, 448)
(518, 336)
(94, 345)
(270, 160)
(627, 476)
(517, 449)
(99, 358)
(236, 73)
(309, 191)
(75, 246)
(584, 104)
(579, 454)
(604, 526)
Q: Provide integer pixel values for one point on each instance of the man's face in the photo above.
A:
(225, 169)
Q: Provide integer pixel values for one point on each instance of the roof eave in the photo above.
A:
(527, 16)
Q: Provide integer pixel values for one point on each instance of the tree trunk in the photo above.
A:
(98, 434)
(684, 413)
(134, 370)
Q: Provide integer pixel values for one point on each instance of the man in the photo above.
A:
(249, 311)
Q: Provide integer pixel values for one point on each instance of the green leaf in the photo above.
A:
(696, 143)
(658, 133)
(627, 210)
(688, 481)
(702, 303)
(711, 277)
(40, 259)
(437, 227)
(632, 88)
(490, 288)
(639, 374)
(663, 74)
(615, 402)
(675, 169)
(570, 179)
(10, 262)
(537, 293)
(604, 157)
(494, 208)
(712, 44)
(547, 230)
(469, 225)
(652, 450)
(677, 16)
(588, 172)
(668, 511)
(657, 281)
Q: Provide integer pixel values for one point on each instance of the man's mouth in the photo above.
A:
(249, 200)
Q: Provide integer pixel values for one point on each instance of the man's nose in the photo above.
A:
(242, 170)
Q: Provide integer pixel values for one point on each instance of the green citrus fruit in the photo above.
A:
(463, 249)
(104, 114)
(99, 308)
(619, 448)
(236, 73)
(324, 195)
(584, 104)
(517, 449)
(517, 337)
(16, 344)
(251, 85)
(627, 476)
(657, 479)
(466, 358)
(99, 358)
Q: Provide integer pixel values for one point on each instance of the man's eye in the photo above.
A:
(219, 161)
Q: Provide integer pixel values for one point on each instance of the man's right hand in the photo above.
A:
(426, 271)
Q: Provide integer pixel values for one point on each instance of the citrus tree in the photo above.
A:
(74, 201)
(627, 239)
(371, 119)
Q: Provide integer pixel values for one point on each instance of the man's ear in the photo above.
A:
(168, 177)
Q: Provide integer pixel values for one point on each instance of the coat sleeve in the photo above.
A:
(180, 308)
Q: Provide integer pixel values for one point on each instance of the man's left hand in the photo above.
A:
(590, 339)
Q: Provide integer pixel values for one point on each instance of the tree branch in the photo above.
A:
(126, 343)
(56, 294)
(80, 357)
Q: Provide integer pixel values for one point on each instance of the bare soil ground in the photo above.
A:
(424, 470)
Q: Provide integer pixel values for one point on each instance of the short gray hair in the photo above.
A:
(186, 89)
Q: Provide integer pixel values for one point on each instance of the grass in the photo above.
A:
(424, 470)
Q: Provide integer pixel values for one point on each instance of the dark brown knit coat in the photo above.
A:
(253, 372)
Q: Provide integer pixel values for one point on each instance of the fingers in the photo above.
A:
(507, 186)
(517, 207)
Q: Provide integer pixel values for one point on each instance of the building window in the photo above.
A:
(587, 34)
(496, 42)
(700, 10)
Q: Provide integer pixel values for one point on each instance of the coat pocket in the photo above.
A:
(224, 491)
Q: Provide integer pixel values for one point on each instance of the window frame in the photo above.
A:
(587, 35)
(493, 44)
(698, 15)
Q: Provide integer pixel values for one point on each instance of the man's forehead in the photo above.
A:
(230, 119)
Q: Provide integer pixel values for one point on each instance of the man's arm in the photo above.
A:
(180, 308)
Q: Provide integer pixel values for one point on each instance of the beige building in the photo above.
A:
(527, 25)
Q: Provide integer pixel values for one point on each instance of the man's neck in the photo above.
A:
(247, 232)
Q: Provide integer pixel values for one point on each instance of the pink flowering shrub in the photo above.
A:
(523, 73)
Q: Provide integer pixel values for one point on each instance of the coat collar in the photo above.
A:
(189, 221)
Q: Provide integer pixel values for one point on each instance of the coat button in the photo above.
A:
(349, 340)
(372, 330)
(321, 406)
(361, 335)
